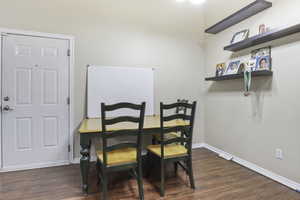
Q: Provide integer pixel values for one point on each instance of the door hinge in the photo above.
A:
(69, 148)
(69, 52)
(68, 100)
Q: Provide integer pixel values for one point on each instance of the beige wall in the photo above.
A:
(169, 36)
(139, 33)
(253, 127)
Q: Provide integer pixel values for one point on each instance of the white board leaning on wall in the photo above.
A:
(119, 84)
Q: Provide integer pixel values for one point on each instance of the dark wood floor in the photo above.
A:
(216, 179)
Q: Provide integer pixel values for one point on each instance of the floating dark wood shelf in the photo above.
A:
(263, 38)
(239, 76)
(246, 12)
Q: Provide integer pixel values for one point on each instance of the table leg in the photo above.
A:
(85, 144)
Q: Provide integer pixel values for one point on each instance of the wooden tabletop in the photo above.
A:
(93, 125)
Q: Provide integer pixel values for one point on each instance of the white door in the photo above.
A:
(35, 89)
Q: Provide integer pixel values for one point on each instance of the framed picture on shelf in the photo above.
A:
(252, 64)
(233, 67)
(263, 63)
(220, 69)
(262, 57)
(240, 36)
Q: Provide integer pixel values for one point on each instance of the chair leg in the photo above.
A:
(104, 186)
(162, 178)
(140, 181)
(175, 168)
(98, 173)
(150, 164)
(190, 171)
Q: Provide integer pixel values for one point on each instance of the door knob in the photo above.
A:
(7, 108)
(6, 98)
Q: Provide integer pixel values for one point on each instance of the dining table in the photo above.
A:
(90, 128)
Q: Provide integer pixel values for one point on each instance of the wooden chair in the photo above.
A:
(177, 150)
(156, 137)
(123, 156)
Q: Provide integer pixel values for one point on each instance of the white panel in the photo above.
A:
(21, 50)
(23, 86)
(23, 133)
(50, 90)
(119, 84)
(50, 131)
(49, 51)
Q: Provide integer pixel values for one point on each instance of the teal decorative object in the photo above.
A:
(247, 81)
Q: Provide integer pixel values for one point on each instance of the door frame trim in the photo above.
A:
(71, 125)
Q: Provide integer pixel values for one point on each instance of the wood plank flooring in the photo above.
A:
(216, 179)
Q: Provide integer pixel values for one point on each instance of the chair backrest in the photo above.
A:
(187, 137)
(181, 109)
(107, 134)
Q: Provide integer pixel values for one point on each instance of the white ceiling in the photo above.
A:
(158, 15)
(166, 16)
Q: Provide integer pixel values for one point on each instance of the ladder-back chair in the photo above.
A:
(179, 149)
(122, 156)
(156, 137)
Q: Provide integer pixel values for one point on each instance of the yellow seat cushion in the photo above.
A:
(170, 151)
(167, 136)
(119, 156)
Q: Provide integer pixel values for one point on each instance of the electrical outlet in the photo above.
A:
(279, 154)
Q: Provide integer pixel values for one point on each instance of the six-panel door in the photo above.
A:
(34, 101)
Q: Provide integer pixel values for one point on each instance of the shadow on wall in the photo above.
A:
(258, 84)
(261, 88)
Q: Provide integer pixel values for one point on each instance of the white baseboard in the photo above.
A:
(283, 180)
(33, 166)
(198, 146)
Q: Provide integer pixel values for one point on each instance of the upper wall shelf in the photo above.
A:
(262, 38)
(246, 12)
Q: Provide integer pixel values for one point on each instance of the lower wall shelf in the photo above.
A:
(239, 76)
